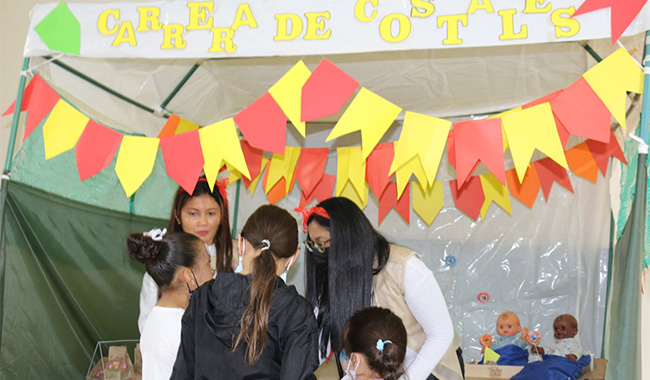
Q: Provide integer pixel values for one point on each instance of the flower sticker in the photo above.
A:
(483, 297)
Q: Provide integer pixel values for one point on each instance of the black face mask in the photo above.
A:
(320, 259)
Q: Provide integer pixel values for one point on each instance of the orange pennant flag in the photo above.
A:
(527, 190)
(582, 162)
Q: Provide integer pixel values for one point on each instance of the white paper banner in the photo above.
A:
(236, 28)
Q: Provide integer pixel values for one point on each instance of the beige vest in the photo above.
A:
(388, 287)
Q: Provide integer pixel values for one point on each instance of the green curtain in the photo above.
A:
(624, 352)
(68, 282)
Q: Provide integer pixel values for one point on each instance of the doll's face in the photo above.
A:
(508, 325)
(564, 328)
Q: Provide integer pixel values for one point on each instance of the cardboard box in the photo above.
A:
(485, 372)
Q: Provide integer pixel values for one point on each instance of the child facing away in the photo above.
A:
(373, 345)
(566, 343)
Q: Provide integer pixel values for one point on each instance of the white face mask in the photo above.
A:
(240, 267)
(283, 276)
(350, 374)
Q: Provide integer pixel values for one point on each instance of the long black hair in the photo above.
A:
(343, 283)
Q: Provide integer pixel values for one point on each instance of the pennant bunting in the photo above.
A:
(251, 185)
(62, 129)
(326, 91)
(310, 169)
(529, 129)
(279, 190)
(184, 159)
(427, 203)
(494, 192)
(60, 30)
(582, 162)
(282, 166)
(622, 13)
(526, 191)
(561, 129)
(176, 125)
(135, 161)
(378, 167)
(389, 200)
(468, 198)
(549, 172)
(500, 115)
(95, 149)
(254, 161)
(602, 151)
(38, 99)
(350, 192)
(403, 174)
(370, 114)
(220, 144)
(479, 140)
(263, 124)
(287, 92)
(582, 112)
(323, 190)
(351, 167)
(612, 78)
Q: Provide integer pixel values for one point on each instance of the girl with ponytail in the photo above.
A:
(374, 345)
(250, 324)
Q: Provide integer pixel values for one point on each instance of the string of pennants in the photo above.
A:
(584, 109)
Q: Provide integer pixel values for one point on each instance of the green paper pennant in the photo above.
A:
(60, 30)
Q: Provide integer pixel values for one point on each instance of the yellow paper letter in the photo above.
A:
(149, 19)
(316, 23)
(222, 36)
(125, 34)
(102, 21)
(360, 10)
(244, 16)
(173, 32)
(507, 19)
(565, 26)
(283, 27)
(422, 8)
(198, 15)
(531, 6)
(403, 27)
(452, 28)
(486, 5)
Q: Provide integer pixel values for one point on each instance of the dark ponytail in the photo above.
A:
(361, 333)
(275, 231)
(163, 257)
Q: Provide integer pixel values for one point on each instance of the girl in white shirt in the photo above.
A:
(204, 213)
(178, 263)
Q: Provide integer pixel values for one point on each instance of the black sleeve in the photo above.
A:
(300, 342)
(184, 365)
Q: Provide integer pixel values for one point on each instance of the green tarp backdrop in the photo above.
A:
(68, 283)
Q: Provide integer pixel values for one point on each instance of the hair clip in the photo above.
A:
(308, 212)
(380, 344)
(266, 245)
(156, 233)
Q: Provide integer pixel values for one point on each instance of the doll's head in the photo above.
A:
(565, 326)
(508, 324)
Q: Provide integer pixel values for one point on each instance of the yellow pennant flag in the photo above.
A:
(422, 136)
(612, 77)
(533, 128)
(427, 203)
(351, 167)
(496, 192)
(287, 92)
(135, 161)
(220, 143)
(254, 182)
(62, 129)
(490, 356)
(503, 131)
(403, 173)
(185, 125)
(282, 166)
(351, 193)
(369, 113)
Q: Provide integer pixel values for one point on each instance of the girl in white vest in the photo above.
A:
(351, 266)
(204, 213)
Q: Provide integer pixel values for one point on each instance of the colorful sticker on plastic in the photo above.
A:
(483, 297)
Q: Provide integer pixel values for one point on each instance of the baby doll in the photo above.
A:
(566, 344)
(509, 332)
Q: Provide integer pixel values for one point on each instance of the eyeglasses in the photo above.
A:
(320, 246)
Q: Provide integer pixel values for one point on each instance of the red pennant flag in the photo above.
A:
(326, 91)
(263, 124)
(527, 190)
(169, 129)
(183, 158)
(548, 172)
(479, 140)
(388, 200)
(377, 167)
(253, 159)
(323, 190)
(622, 13)
(310, 168)
(561, 129)
(582, 112)
(582, 162)
(469, 198)
(602, 151)
(38, 99)
(95, 149)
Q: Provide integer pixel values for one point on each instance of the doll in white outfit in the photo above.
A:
(566, 342)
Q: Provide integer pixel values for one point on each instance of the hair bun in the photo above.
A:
(142, 248)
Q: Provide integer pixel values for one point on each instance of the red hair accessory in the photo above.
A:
(308, 212)
(221, 186)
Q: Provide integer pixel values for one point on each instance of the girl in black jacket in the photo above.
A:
(251, 325)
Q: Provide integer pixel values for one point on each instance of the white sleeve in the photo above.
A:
(148, 299)
(426, 303)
